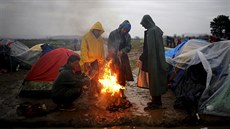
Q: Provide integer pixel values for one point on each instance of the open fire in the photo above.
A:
(109, 81)
(111, 97)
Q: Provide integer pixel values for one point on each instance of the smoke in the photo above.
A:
(50, 18)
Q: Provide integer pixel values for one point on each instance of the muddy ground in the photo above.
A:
(90, 114)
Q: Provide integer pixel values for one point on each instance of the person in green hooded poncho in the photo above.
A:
(153, 61)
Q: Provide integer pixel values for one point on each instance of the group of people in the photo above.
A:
(85, 70)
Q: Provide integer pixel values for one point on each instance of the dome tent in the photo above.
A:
(38, 81)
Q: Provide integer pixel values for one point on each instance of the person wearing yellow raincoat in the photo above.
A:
(92, 55)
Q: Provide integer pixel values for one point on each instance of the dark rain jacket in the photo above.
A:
(67, 87)
(153, 58)
(121, 42)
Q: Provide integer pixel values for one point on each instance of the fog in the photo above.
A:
(41, 18)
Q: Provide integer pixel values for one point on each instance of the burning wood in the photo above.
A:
(111, 97)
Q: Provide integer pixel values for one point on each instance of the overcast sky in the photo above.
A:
(42, 18)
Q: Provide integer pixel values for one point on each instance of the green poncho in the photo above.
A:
(156, 64)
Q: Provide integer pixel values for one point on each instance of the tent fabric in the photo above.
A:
(36, 89)
(15, 46)
(218, 103)
(8, 52)
(46, 48)
(187, 55)
(187, 47)
(190, 87)
(47, 67)
(172, 52)
(30, 56)
(37, 47)
(193, 44)
(4, 57)
(215, 61)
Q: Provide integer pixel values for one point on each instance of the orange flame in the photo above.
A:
(109, 81)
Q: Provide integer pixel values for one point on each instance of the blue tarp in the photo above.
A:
(172, 52)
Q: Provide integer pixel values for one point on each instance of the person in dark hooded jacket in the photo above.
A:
(119, 45)
(68, 85)
(153, 61)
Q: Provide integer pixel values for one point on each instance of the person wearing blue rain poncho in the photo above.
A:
(119, 45)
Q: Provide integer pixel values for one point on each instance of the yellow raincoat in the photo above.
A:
(92, 48)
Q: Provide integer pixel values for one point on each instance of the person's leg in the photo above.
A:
(121, 80)
(156, 100)
(150, 76)
(68, 105)
(155, 104)
(152, 101)
(94, 90)
(64, 99)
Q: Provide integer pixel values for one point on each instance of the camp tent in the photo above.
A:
(213, 89)
(187, 47)
(175, 72)
(15, 46)
(39, 79)
(29, 57)
(8, 51)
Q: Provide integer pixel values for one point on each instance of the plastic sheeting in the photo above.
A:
(218, 103)
(183, 57)
(15, 46)
(182, 53)
(30, 56)
(215, 60)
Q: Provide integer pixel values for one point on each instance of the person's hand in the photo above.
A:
(93, 74)
(110, 54)
(119, 54)
(87, 67)
(138, 63)
(112, 50)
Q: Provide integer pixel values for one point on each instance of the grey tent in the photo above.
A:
(214, 58)
(8, 51)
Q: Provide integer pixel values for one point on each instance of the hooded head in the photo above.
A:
(125, 26)
(97, 29)
(147, 22)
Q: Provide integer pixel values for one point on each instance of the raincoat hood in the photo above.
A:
(97, 26)
(126, 25)
(147, 22)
